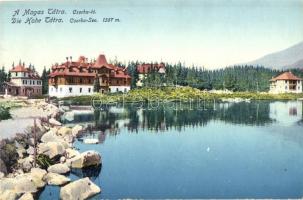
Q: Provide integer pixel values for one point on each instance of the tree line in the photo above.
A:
(234, 78)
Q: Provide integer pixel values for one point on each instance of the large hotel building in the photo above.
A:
(74, 78)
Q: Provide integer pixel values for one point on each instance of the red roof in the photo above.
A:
(19, 68)
(82, 68)
(146, 68)
(286, 76)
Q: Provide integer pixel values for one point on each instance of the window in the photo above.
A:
(125, 90)
(117, 89)
(70, 90)
(80, 80)
(16, 74)
(88, 90)
(80, 90)
(60, 89)
(285, 87)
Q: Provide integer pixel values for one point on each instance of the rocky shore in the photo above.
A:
(42, 156)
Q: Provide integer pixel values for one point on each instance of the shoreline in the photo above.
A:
(43, 155)
(184, 94)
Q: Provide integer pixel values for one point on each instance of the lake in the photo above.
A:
(218, 150)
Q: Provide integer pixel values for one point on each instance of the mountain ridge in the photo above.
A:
(291, 57)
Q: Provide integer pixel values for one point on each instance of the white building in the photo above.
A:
(285, 83)
(76, 78)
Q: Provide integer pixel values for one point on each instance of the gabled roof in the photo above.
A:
(286, 76)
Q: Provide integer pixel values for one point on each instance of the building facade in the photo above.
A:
(285, 83)
(74, 78)
(25, 81)
(144, 69)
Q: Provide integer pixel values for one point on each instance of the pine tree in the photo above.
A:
(44, 78)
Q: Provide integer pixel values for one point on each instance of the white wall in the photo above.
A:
(114, 89)
(64, 90)
(19, 82)
(282, 87)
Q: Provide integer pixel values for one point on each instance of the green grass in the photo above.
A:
(174, 94)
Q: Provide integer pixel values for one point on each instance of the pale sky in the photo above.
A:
(205, 33)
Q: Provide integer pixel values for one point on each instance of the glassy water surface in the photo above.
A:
(226, 150)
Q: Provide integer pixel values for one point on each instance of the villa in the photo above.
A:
(75, 78)
(25, 81)
(144, 69)
(285, 83)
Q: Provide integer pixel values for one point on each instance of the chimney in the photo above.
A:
(66, 59)
(70, 58)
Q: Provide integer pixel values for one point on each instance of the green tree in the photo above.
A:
(44, 78)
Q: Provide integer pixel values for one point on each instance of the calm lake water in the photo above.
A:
(226, 150)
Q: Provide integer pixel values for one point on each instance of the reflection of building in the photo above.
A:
(74, 78)
(144, 69)
(286, 112)
(25, 81)
(286, 82)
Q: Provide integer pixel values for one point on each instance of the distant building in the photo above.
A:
(286, 83)
(74, 78)
(25, 81)
(144, 69)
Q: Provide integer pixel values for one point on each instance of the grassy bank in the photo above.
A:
(171, 94)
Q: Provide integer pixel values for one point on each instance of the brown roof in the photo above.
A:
(146, 68)
(286, 76)
(73, 68)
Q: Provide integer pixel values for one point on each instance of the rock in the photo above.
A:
(76, 130)
(54, 122)
(85, 159)
(56, 179)
(58, 168)
(80, 189)
(20, 184)
(20, 152)
(26, 163)
(46, 127)
(70, 153)
(30, 150)
(62, 159)
(37, 176)
(3, 168)
(69, 116)
(26, 196)
(51, 149)
(63, 131)
(90, 141)
(51, 136)
(8, 195)
(2, 175)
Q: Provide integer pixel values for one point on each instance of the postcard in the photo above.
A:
(171, 99)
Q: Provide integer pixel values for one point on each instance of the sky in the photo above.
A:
(205, 33)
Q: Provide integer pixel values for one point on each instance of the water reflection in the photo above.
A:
(286, 112)
(92, 172)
